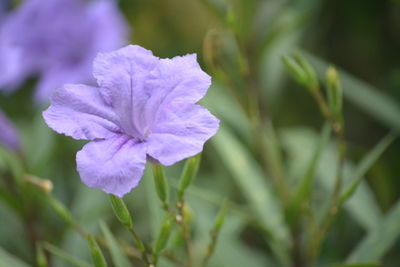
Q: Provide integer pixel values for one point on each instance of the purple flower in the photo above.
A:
(143, 109)
(57, 40)
(8, 135)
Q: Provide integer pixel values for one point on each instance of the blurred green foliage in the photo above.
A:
(270, 132)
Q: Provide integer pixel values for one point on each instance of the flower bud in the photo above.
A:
(311, 76)
(230, 18)
(61, 210)
(161, 183)
(121, 211)
(95, 251)
(45, 185)
(189, 172)
(163, 235)
(212, 46)
(187, 214)
(294, 70)
(301, 71)
(41, 259)
(334, 91)
(219, 221)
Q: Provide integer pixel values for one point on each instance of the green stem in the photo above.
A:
(180, 219)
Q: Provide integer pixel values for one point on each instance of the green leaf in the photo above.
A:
(305, 187)
(379, 239)
(60, 209)
(273, 150)
(118, 257)
(299, 144)
(253, 183)
(96, 253)
(7, 260)
(365, 164)
(65, 256)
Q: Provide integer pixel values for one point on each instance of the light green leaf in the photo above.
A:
(65, 256)
(118, 257)
(255, 187)
(273, 150)
(365, 164)
(299, 144)
(7, 260)
(379, 239)
(305, 187)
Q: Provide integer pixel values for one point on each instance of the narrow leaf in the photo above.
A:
(379, 239)
(118, 257)
(7, 260)
(65, 256)
(95, 251)
(305, 187)
(362, 206)
(365, 164)
(253, 183)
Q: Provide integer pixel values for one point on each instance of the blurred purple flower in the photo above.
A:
(8, 135)
(57, 40)
(143, 109)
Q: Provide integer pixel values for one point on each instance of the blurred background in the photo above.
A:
(240, 44)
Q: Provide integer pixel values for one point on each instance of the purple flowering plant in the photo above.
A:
(144, 108)
(56, 41)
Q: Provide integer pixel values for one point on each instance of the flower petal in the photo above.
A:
(122, 75)
(174, 82)
(110, 30)
(80, 111)
(114, 165)
(179, 80)
(181, 133)
(55, 77)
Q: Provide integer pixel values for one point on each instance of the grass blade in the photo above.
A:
(65, 256)
(365, 164)
(379, 239)
(253, 183)
(118, 257)
(7, 260)
(305, 187)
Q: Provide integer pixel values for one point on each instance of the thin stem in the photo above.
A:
(180, 219)
(334, 205)
(172, 258)
(140, 245)
(210, 249)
